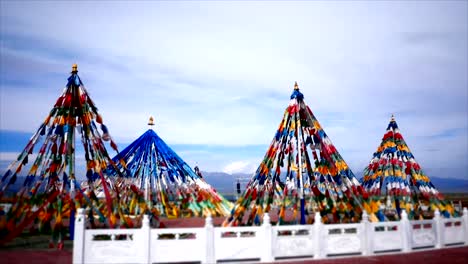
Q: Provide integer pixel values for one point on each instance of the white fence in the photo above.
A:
(264, 243)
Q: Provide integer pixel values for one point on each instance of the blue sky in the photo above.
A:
(217, 75)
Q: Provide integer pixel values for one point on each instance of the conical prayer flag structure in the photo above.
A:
(167, 181)
(302, 172)
(50, 188)
(394, 174)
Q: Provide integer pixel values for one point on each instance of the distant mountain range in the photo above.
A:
(449, 185)
(443, 178)
(226, 183)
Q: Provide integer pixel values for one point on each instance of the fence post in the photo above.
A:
(366, 239)
(406, 231)
(438, 228)
(79, 237)
(145, 239)
(317, 230)
(465, 224)
(267, 255)
(209, 241)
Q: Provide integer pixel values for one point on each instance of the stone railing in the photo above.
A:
(265, 243)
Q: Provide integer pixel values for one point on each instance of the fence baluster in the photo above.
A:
(79, 237)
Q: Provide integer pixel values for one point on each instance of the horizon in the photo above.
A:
(217, 85)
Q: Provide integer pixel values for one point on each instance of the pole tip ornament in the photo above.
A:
(296, 87)
(151, 121)
(296, 93)
(74, 68)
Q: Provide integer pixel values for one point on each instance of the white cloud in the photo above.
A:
(11, 156)
(241, 166)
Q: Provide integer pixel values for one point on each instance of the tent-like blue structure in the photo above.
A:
(170, 185)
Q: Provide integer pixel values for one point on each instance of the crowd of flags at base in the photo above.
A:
(301, 173)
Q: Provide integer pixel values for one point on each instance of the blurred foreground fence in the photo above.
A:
(264, 243)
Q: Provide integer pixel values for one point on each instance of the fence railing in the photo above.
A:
(264, 243)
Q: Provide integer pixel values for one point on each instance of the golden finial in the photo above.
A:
(296, 87)
(151, 121)
(393, 118)
(74, 68)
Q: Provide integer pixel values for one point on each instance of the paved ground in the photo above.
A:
(457, 255)
(31, 256)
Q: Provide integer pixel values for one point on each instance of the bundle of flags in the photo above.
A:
(166, 181)
(301, 173)
(50, 192)
(395, 181)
